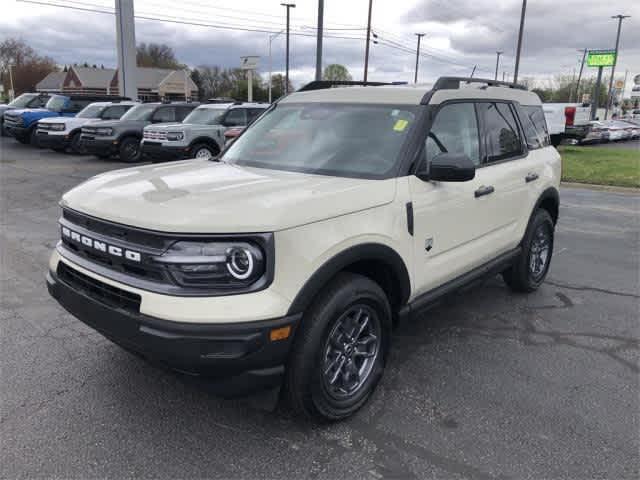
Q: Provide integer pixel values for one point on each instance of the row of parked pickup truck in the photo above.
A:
(133, 131)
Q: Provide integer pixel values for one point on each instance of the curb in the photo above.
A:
(605, 188)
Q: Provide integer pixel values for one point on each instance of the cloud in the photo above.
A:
(460, 34)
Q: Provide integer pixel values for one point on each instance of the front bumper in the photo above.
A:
(99, 146)
(158, 151)
(239, 358)
(16, 131)
(47, 140)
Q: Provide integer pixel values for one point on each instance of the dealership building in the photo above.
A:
(153, 83)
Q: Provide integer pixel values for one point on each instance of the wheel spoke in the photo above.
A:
(337, 372)
(363, 325)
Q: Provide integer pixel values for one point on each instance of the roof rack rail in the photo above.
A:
(322, 84)
(453, 83)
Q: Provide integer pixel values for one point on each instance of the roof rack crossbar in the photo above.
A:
(322, 84)
(453, 83)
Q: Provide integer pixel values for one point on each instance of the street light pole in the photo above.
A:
(613, 67)
(518, 50)
(288, 6)
(498, 53)
(271, 39)
(319, 40)
(419, 35)
(366, 51)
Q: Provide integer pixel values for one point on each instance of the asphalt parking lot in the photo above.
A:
(489, 385)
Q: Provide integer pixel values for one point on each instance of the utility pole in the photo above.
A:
(271, 39)
(518, 50)
(419, 35)
(319, 40)
(584, 55)
(596, 95)
(498, 53)
(126, 43)
(613, 67)
(473, 71)
(366, 52)
(288, 6)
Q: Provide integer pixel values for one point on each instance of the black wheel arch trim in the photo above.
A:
(550, 193)
(205, 140)
(368, 251)
(127, 134)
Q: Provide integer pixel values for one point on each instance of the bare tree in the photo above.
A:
(28, 68)
(157, 55)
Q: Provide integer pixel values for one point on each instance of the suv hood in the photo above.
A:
(20, 111)
(208, 197)
(126, 124)
(181, 127)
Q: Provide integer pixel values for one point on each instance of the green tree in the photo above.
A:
(335, 71)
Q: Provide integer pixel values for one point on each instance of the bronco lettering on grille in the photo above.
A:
(101, 246)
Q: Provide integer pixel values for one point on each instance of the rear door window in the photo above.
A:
(535, 116)
(236, 117)
(253, 113)
(75, 105)
(164, 115)
(500, 133)
(114, 113)
(182, 112)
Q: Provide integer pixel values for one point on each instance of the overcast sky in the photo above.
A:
(459, 34)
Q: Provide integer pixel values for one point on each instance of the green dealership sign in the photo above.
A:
(601, 58)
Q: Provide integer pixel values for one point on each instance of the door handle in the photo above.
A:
(484, 191)
(531, 177)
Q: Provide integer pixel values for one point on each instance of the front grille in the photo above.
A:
(47, 126)
(155, 135)
(135, 237)
(12, 120)
(106, 294)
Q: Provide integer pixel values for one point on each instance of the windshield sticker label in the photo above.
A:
(400, 125)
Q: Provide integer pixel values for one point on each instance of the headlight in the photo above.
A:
(175, 136)
(104, 131)
(57, 126)
(222, 265)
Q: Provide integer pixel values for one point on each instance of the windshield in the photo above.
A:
(205, 116)
(140, 112)
(23, 100)
(342, 140)
(56, 103)
(91, 111)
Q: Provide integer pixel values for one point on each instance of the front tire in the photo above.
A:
(202, 151)
(130, 150)
(76, 145)
(531, 267)
(33, 138)
(340, 349)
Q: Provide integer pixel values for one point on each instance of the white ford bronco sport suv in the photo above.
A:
(336, 214)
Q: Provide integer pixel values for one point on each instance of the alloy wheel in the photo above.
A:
(351, 351)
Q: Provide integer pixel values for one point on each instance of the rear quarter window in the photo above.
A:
(534, 125)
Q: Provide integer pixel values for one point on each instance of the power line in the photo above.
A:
(185, 21)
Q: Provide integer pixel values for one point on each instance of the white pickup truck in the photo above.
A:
(567, 120)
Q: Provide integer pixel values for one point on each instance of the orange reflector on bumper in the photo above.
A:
(281, 333)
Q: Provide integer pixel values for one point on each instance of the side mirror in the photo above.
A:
(449, 167)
